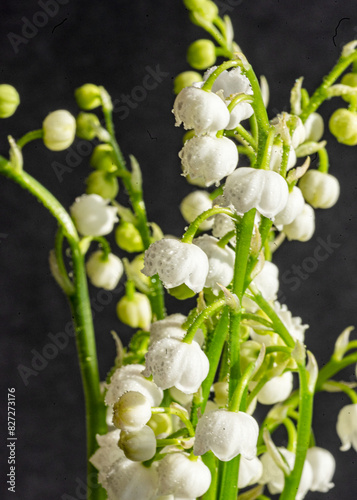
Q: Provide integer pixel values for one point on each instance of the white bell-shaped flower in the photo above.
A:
(250, 471)
(264, 190)
(104, 273)
(293, 323)
(132, 411)
(293, 208)
(290, 128)
(267, 281)
(277, 389)
(227, 434)
(59, 130)
(171, 327)
(223, 224)
(108, 451)
(347, 427)
(230, 82)
(93, 216)
(209, 158)
(139, 445)
(273, 476)
(303, 226)
(277, 156)
(205, 112)
(323, 468)
(314, 127)
(174, 363)
(182, 477)
(221, 262)
(130, 378)
(193, 205)
(241, 111)
(177, 263)
(125, 480)
(320, 189)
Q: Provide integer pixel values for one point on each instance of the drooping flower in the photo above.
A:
(205, 112)
(303, 226)
(314, 127)
(220, 260)
(323, 468)
(227, 434)
(171, 327)
(320, 189)
(177, 263)
(248, 188)
(93, 216)
(277, 389)
(292, 209)
(108, 451)
(347, 427)
(132, 411)
(59, 130)
(209, 158)
(273, 476)
(267, 281)
(135, 311)
(175, 363)
(139, 445)
(182, 477)
(293, 323)
(193, 205)
(250, 471)
(104, 273)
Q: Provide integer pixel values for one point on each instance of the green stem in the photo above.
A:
(343, 388)
(193, 228)
(205, 314)
(248, 138)
(68, 287)
(241, 388)
(323, 160)
(292, 435)
(210, 460)
(30, 136)
(333, 367)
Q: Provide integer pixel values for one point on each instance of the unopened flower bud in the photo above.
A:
(186, 79)
(132, 411)
(209, 158)
(93, 216)
(135, 311)
(303, 227)
(103, 158)
(293, 208)
(195, 204)
(136, 266)
(9, 100)
(88, 96)
(276, 389)
(320, 189)
(347, 427)
(104, 272)
(205, 112)
(349, 79)
(208, 11)
(323, 467)
(201, 54)
(87, 126)
(128, 237)
(103, 184)
(139, 445)
(343, 125)
(59, 130)
(314, 127)
(161, 424)
(220, 393)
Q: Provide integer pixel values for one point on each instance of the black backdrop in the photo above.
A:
(117, 44)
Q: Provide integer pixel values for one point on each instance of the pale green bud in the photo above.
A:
(349, 79)
(132, 411)
(194, 4)
(135, 311)
(139, 445)
(186, 79)
(201, 54)
(136, 266)
(87, 126)
(208, 11)
(59, 130)
(160, 423)
(102, 183)
(181, 292)
(88, 96)
(104, 272)
(9, 100)
(128, 237)
(343, 125)
(103, 158)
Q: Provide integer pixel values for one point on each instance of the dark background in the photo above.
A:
(113, 43)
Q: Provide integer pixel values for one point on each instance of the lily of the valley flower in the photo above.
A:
(59, 130)
(93, 216)
(347, 427)
(320, 189)
(182, 477)
(314, 127)
(135, 310)
(227, 434)
(175, 363)
(139, 445)
(195, 204)
(104, 272)
(292, 209)
(132, 411)
(108, 451)
(303, 226)
(323, 468)
(177, 263)
(209, 158)
(250, 471)
(265, 190)
(171, 327)
(277, 389)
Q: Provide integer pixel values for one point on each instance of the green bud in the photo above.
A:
(136, 266)
(343, 125)
(9, 100)
(102, 183)
(186, 79)
(160, 423)
(87, 126)
(208, 11)
(188, 135)
(88, 96)
(181, 292)
(194, 4)
(59, 130)
(103, 158)
(135, 311)
(128, 237)
(349, 79)
(201, 54)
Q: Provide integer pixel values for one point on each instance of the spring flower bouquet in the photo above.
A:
(217, 403)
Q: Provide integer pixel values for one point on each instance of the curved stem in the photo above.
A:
(193, 228)
(30, 136)
(206, 313)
